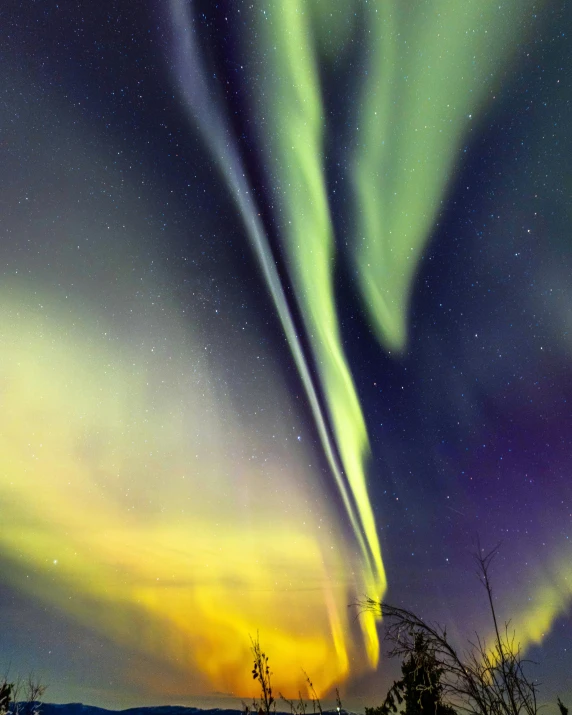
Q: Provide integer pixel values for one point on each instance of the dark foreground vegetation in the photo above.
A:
(437, 677)
(20, 697)
(484, 678)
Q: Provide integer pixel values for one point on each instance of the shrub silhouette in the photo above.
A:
(267, 703)
(21, 697)
(261, 672)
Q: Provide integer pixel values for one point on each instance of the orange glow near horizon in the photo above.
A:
(132, 501)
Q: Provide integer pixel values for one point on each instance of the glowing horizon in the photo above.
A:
(130, 525)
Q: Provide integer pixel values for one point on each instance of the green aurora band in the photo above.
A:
(297, 120)
(430, 67)
(433, 66)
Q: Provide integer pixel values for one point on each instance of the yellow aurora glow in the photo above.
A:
(132, 500)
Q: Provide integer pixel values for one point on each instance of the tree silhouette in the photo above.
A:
(420, 689)
(482, 680)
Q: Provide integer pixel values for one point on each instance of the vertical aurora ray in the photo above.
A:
(313, 276)
(203, 107)
(296, 140)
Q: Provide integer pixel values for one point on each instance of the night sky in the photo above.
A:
(285, 320)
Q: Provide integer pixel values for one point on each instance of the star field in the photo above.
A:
(286, 321)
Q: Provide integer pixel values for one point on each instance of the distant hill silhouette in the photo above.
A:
(80, 709)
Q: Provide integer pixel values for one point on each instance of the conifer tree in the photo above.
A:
(420, 689)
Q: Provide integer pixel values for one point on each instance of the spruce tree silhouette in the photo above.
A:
(420, 689)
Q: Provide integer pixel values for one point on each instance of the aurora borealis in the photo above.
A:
(285, 320)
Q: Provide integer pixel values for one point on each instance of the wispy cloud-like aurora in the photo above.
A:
(132, 501)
